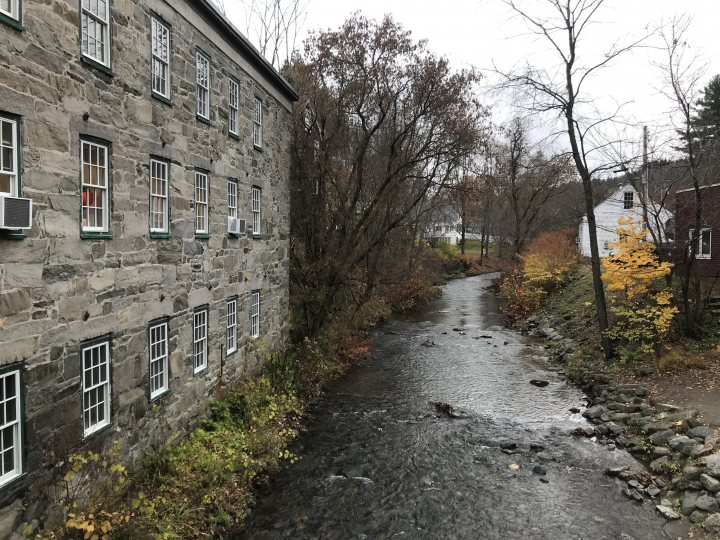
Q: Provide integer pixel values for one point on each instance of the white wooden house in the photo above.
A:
(625, 202)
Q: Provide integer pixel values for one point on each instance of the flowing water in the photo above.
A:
(378, 460)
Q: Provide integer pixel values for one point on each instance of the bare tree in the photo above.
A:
(683, 73)
(383, 126)
(560, 91)
(527, 180)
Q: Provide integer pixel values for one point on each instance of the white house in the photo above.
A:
(625, 202)
(444, 227)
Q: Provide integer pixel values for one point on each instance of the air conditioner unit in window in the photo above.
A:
(236, 226)
(15, 212)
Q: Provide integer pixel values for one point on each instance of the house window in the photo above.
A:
(160, 37)
(95, 30)
(203, 85)
(257, 124)
(95, 386)
(200, 335)
(201, 203)
(10, 426)
(628, 200)
(704, 245)
(159, 179)
(231, 334)
(606, 245)
(158, 348)
(233, 115)
(95, 186)
(255, 202)
(9, 150)
(11, 10)
(255, 314)
(232, 189)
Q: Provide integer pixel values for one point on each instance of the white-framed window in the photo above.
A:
(95, 386)
(255, 314)
(203, 85)
(95, 30)
(159, 196)
(9, 149)
(11, 443)
(258, 124)
(704, 243)
(160, 38)
(628, 200)
(158, 351)
(232, 193)
(255, 207)
(201, 203)
(231, 318)
(11, 9)
(200, 336)
(606, 245)
(234, 106)
(95, 184)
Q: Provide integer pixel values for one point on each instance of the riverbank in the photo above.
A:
(670, 436)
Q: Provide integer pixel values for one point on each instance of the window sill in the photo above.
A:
(161, 98)
(258, 148)
(257, 236)
(233, 135)
(202, 236)
(703, 257)
(88, 235)
(12, 23)
(12, 234)
(231, 353)
(8, 484)
(203, 120)
(96, 432)
(199, 371)
(158, 397)
(97, 65)
(159, 235)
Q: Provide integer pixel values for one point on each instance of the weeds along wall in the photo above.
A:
(118, 305)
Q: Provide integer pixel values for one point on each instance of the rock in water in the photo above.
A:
(539, 383)
(667, 512)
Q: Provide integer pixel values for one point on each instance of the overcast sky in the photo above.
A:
(483, 33)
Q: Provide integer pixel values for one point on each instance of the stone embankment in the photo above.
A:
(682, 455)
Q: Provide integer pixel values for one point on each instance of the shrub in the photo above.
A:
(640, 300)
(543, 268)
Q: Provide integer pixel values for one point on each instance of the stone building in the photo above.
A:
(134, 134)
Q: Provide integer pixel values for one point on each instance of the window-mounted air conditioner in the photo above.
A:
(236, 226)
(15, 212)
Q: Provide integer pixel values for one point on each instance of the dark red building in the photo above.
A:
(707, 263)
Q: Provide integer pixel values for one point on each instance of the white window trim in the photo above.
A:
(87, 431)
(698, 252)
(631, 200)
(231, 326)
(233, 106)
(255, 206)
(255, 314)
(13, 14)
(232, 197)
(16, 425)
(84, 12)
(200, 58)
(164, 165)
(258, 124)
(106, 196)
(202, 203)
(156, 58)
(15, 151)
(200, 322)
(161, 359)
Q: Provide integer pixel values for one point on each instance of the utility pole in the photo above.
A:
(646, 178)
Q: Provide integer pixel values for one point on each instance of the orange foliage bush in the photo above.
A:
(542, 269)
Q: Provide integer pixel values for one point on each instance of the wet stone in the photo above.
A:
(710, 483)
(697, 516)
(707, 503)
(712, 524)
(667, 512)
(700, 432)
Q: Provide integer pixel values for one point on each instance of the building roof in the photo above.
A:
(212, 15)
(693, 189)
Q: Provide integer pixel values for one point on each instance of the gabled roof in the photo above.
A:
(233, 36)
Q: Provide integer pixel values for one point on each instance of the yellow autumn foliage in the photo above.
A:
(642, 303)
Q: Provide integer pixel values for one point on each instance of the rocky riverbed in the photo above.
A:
(382, 457)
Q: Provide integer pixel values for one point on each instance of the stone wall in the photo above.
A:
(57, 290)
